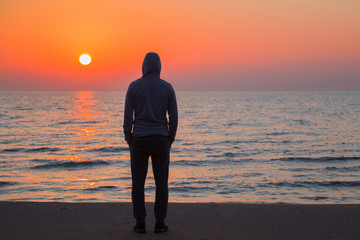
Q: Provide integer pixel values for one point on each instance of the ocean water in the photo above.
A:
(258, 147)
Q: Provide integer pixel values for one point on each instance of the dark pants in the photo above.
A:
(158, 147)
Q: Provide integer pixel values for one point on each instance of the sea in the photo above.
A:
(244, 147)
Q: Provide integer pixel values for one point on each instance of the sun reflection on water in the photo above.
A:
(85, 114)
(84, 131)
(83, 128)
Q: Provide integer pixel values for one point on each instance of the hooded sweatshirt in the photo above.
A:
(148, 102)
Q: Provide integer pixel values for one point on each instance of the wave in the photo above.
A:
(100, 188)
(229, 155)
(175, 184)
(209, 162)
(16, 117)
(76, 122)
(291, 133)
(233, 124)
(23, 109)
(303, 122)
(186, 162)
(317, 198)
(299, 169)
(9, 141)
(188, 144)
(65, 122)
(69, 165)
(6, 184)
(225, 191)
(312, 184)
(319, 159)
(231, 142)
(276, 133)
(41, 149)
(40, 160)
(343, 169)
(191, 189)
(109, 149)
(9, 150)
(117, 179)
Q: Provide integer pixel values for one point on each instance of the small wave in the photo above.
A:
(191, 189)
(317, 198)
(6, 184)
(109, 149)
(320, 159)
(16, 117)
(340, 184)
(252, 174)
(23, 109)
(227, 155)
(183, 183)
(299, 169)
(119, 178)
(9, 141)
(308, 184)
(188, 162)
(76, 122)
(276, 134)
(89, 122)
(65, 122)
(10, 150)
(227, 191)
(100, 188)
(188, 144)
(232, 142)
(43, 149)
(41, 160)
(230, 154)
(302, 122)
(233, 124)
(70, 165)
(343, 169)
(212, 162)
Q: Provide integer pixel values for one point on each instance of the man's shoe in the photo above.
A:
(160, 228)
(140, 228)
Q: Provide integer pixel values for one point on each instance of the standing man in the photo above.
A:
(149, 132)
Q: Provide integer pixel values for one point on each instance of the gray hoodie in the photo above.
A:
(148, 101)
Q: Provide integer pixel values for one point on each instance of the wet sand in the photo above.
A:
(86, 221)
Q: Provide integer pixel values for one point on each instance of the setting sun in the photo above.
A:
(85, 59)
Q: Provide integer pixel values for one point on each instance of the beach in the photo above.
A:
(56, 220)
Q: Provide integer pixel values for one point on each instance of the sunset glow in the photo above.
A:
(203, 45)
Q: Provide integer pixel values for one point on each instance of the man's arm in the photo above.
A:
(128, 116)
(173, 116)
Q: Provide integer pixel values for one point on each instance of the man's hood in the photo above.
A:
(151, 64)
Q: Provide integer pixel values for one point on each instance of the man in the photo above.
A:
(149, 132)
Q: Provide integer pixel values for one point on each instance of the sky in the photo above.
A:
(204, 45)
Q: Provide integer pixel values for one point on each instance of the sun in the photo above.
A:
(85, 59)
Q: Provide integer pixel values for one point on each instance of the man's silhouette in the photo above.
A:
(149, 132)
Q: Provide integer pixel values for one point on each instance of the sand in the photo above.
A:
(86, 221)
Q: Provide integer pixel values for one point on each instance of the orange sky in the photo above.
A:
(203, 45)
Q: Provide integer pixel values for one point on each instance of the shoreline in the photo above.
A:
(62, 220)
